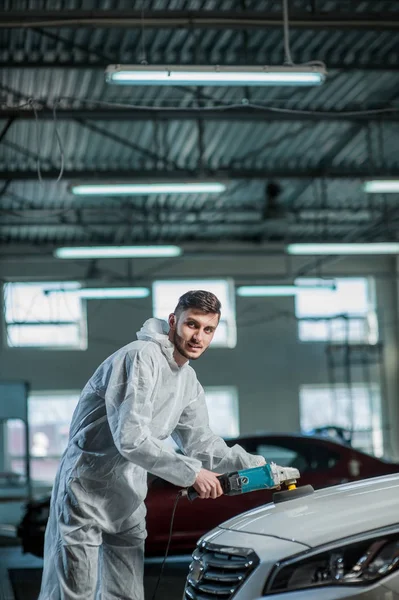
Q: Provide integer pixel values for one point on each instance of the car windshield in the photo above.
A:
(300, 453)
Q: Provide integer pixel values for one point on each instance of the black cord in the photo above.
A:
(179, 495)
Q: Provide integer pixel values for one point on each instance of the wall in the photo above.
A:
(268, 365)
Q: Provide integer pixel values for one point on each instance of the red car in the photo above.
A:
(321, 462)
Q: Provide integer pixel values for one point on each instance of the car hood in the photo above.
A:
(326, 515)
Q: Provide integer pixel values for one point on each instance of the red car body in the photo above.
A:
(321, 462)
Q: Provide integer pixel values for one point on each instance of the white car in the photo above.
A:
(339, 542)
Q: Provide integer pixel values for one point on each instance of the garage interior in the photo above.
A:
(310, 337)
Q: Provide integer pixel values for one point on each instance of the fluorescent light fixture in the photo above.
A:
(118, 252)
(215, 75)
(252, 291)
(50, 287)
(381, 186)
(128, 189)
(105, 293)
(325, 249)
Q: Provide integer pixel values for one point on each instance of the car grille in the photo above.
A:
(218, 571)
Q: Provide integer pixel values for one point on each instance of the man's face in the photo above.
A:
(192, 332)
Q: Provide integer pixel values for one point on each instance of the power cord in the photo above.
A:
(31, 103)
(179, 495)
(287, 49)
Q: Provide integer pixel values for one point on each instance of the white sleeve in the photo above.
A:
(197, 440)
(129, 402)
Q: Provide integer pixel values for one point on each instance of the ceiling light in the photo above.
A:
(377, 248)
(381, 186)
(248, 291)
(51, 287)
(118, 252)
(121, 189)
(215, 75)
(252, 291)
(106, 293)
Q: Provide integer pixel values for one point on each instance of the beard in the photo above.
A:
(179, 345)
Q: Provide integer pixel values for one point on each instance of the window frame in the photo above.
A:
(80, 323)
(376, 433)
(46, 395)
(233, 391)
(367, 317)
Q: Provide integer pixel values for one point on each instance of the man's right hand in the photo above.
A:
(207, 484)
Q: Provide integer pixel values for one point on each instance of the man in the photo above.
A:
(137, 398)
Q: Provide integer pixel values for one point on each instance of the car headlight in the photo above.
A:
(359, 561)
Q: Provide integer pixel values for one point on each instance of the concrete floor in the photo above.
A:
(170, 588)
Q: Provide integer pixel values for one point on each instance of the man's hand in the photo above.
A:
(207, 484)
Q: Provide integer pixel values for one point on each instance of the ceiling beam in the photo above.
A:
(197, 19)
(223, 174)
(6, 127)
(332, 64)
(244, 113)
(269, 226)
(89, 217)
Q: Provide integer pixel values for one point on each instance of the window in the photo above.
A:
(355, 409)
(13, 433)
(165, 296)
(222, 403)
(303, 454)
(47, 315)
(277, 454)
(50, 415)
(345, 313)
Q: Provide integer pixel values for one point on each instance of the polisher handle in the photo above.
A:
(192, 494)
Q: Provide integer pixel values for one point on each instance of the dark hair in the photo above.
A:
(199, 299)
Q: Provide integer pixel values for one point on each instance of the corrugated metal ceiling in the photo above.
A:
(318, 161)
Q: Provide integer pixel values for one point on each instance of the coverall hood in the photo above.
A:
(157, 330)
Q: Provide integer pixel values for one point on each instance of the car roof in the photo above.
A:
(328, 514)
(304, 440)
(294, 436)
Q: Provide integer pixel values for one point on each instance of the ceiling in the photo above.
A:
(294, 158)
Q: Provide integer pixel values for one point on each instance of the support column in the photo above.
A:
(388, 312)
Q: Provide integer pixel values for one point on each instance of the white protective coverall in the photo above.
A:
(96, 530)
